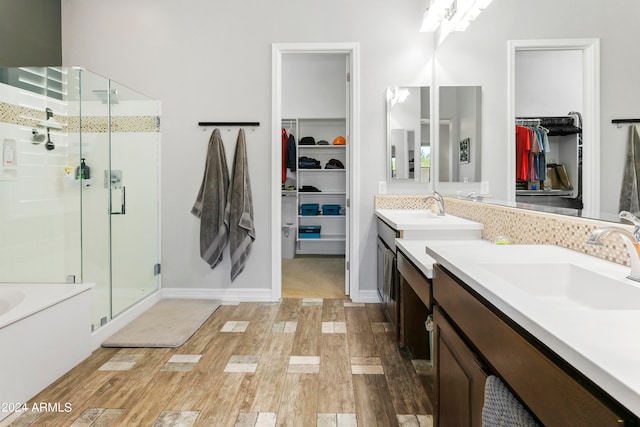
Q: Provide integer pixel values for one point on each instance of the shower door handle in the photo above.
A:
(123, 203)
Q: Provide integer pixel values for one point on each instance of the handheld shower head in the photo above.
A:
(37, 137)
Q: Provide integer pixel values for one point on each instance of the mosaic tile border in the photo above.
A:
(30, 117)
(521, 226)
(98, 124)
(24, 116)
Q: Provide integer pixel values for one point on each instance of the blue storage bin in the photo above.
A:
(309, 209)
(309, 231)
(330, 209)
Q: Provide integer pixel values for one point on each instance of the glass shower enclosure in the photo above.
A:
(79, 185)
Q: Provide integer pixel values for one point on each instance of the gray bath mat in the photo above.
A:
(169, 323)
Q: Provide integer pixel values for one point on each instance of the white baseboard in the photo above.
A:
(224, 295)
(120, 321)
(366, 296)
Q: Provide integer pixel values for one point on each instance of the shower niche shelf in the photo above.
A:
(69, 181)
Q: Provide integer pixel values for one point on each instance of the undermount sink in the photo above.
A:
(568, 284)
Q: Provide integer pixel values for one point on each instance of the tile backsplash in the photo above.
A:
(521, 226)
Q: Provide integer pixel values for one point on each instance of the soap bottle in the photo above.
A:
(8, 155)
(83, 171)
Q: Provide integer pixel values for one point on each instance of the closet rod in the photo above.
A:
(228, 123)
(530, 119)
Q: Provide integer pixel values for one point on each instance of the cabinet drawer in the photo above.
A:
(420, 284)
(550, 392)
(387, 234)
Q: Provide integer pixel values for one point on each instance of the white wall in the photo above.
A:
(548, 83)
(314, 86)
(210, 61)
(478, 56)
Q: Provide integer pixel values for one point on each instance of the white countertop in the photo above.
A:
(421, 219)
(603, 344)
(423, 224)
(415, 251)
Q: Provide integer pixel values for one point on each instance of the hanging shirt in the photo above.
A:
(291, 162)
(285, 141)
(547, 150)
(534, 155)
(523, 146)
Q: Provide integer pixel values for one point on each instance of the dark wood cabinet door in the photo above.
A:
(460, 378)
(415, 306)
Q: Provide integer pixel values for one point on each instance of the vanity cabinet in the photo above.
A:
(461, 378)
(387, 273)
(415, 305)
(474, 338)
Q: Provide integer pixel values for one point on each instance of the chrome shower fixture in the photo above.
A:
(110, 96)
(50, 122)
(37, 137)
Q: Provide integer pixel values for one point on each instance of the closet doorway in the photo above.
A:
(587, 157)
(314, 89)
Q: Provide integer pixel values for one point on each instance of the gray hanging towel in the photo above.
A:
(240, 208)
(210, 205)
(389, 268)
(630, 191)
(501, 408)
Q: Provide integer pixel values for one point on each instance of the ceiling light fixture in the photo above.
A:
(451, 15)
(397, 95)
(437, 11)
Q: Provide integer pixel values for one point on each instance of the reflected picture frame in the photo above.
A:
(463, 150)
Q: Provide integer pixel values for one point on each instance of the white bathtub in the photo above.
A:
(45, 330)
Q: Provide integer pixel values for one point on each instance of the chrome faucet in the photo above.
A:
(439, 201)
(630, 240)
(475, 197)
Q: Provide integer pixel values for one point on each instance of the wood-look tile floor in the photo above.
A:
(319, 276)
(294, 363)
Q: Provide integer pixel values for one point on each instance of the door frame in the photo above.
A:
(591, 115)
(352, 50)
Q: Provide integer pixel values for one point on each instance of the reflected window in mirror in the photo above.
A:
(408, 134)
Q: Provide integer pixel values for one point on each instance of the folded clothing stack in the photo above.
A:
(305, 162)
(334, 164)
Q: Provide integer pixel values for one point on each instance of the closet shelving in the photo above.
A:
(564, 135)
(332, 184)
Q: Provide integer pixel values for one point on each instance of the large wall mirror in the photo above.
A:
(459, 134)
(481, 56)
(408, 134)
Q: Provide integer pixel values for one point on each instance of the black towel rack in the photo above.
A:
(619, 122)
(228, 123)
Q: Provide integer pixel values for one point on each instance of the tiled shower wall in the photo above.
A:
(522, 226)
(39, 209)
(38, 243)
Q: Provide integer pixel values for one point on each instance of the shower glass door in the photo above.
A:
(92, 145)
(134, 190)
(119, 140)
